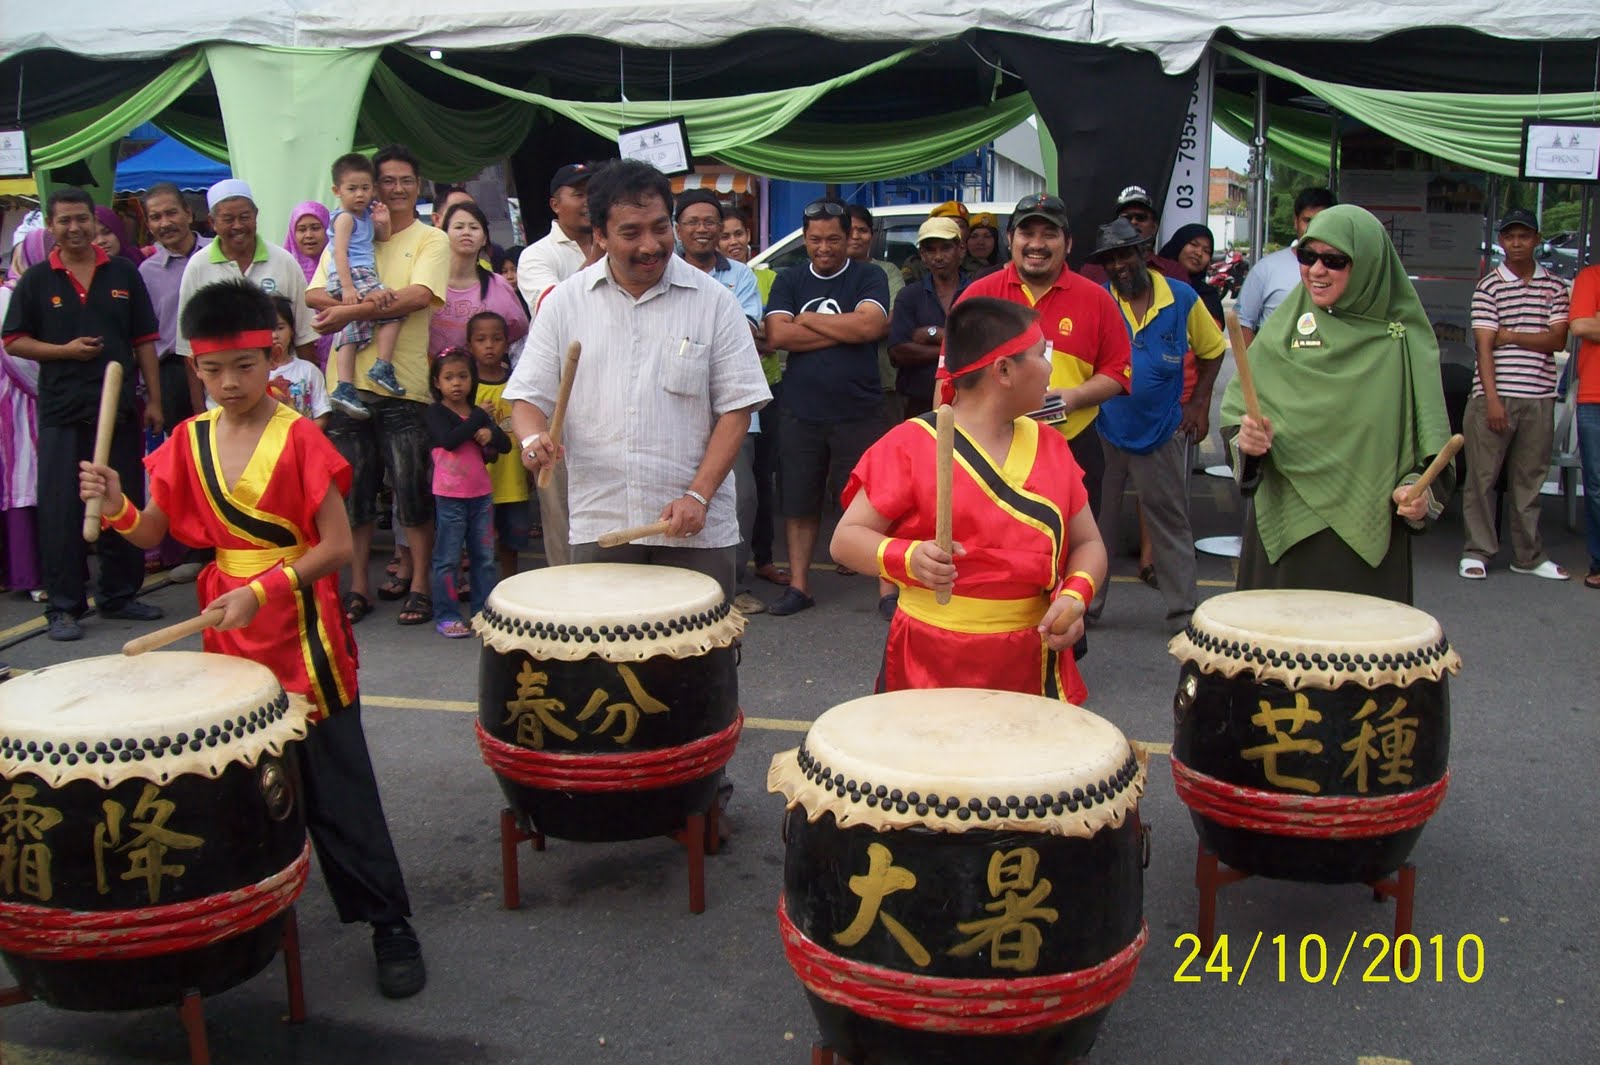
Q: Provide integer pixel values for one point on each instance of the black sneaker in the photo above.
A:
(401, 973)
(63, 627)
(133, 610)
(792, 601)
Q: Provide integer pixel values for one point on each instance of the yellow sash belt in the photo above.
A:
(969, 614)
(252, 562)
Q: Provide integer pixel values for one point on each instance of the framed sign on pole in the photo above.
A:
(1560, 151)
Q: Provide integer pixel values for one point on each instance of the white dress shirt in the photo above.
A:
(546, 263)
(654, 376)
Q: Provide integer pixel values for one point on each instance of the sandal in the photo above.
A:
(844, 571)
(773, 575)
(1472, 569)
(453, 630)
(393, 568)
(1592, 580)
(394, 587)
(417, 609)
(1147, 574)
(356, 606)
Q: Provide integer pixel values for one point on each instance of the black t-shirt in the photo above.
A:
(916, 308)
(840, 383)
(48, 306)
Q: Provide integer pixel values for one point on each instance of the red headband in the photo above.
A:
(250, 339)
(1015, 346)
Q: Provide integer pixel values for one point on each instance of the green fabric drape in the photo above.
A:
(452, 144)
(69, 138)
(1475, 130)
(1294, 138)
(289, 112)
(714, 123)
(871, 151)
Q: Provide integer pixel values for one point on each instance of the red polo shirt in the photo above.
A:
(1083, 325)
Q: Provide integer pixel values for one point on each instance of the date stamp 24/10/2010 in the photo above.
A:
(1309, 959)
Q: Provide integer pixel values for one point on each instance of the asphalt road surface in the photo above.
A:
(604, 963)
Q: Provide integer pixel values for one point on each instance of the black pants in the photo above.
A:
(765, 468)
(345, 818)
(1091, 458)
(63, 552)
(176, 403)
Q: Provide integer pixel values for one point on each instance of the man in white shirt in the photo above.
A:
(662, 401)
(1276, 275)
(568, 247)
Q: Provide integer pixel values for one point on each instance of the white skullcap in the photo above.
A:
(227, 189)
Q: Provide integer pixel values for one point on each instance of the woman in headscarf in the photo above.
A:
(1352, 410)
(19, 441)
(1191, 247)
(111, 236)
(983, 244)
(307, 237)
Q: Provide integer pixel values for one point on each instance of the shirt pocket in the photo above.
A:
(685, 368)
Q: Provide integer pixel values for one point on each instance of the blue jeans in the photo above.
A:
(1589, 447)
(458, 522)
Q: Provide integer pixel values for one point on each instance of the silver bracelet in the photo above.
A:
(698, 498)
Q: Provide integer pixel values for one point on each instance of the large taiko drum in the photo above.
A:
(608, 699)
(964, 876)
(1311, 731)
(152, 835)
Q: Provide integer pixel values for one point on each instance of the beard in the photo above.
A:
(1133, 286)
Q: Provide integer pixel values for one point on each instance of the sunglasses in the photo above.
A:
(1040, 201)
(1333, 260)
(824, 209)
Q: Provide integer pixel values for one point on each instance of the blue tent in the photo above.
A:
(169, 160)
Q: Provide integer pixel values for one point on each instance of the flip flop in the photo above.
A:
(1592, 581)
(1147, 574)
(773, 575)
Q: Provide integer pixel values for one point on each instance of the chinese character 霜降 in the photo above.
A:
(1273, 718)
(882, 879)
(1012, 940)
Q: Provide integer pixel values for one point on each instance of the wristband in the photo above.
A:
(280, 580)
(698, 498)
(894, 560)
(124, 521)
(1080, 586)
(530, 440)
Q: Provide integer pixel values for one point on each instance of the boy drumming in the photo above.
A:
(259, 483)
(1026, 543)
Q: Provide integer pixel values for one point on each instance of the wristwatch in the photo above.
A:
(933, 332)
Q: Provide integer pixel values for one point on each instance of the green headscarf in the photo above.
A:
(1353, 393)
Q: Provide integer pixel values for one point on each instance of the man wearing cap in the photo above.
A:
(914, 269)
(239, 252)
(1519, 322)
(568, 247)
(1089, 343)
(916, 329)
(1144, 432)
(75, 313)
(1275, 276)
(1136, 207)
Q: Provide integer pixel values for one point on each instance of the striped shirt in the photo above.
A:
(1505, 301)
(655, 375)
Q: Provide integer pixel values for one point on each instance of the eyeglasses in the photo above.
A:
(1041, 201)
(1333, 260)
(824, 208)
(397, 182)
(700, 223)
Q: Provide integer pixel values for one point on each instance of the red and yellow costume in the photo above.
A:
(265, 521)
(1012, 520)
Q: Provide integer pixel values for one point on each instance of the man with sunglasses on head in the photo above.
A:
(1135, 206)
(829, 314)
(1089, 343)
(1278, 274)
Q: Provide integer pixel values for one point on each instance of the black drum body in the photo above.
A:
(140, 845)
(965, 928)
(599, 708)
(1349, 742)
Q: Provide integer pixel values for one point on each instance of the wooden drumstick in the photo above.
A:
(1072, 613)
(1436, 467)
(638, 532)
(110, 393)
(1247, 383)
(172, 633)
(558, 418)
(945, 422)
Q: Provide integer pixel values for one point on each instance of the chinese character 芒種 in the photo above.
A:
(1273, 719)
(1395, 738)
(1012, 940)
(147, 843)
(643, 702)
(882, 879)
(534, 712)
(24, 854)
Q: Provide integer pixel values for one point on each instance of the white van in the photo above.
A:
(895, 240)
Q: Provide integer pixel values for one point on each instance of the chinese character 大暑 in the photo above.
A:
(1274, 719)
(1011, 938)
(148, 839)
(1390, 745)
(534, 712)
(882, 879)
(643, 702)
(24, 854)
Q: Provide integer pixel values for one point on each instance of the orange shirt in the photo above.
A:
(1586, 304)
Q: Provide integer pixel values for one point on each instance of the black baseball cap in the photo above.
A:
(1518, 216)
(1041, 205)
(571, 174)
(690, 197)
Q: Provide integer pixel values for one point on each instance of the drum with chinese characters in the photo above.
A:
(964, 876)
(152, 835)
(608, 700)
(1311, 731)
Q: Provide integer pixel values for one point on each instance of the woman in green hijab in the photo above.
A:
(1352, 410)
